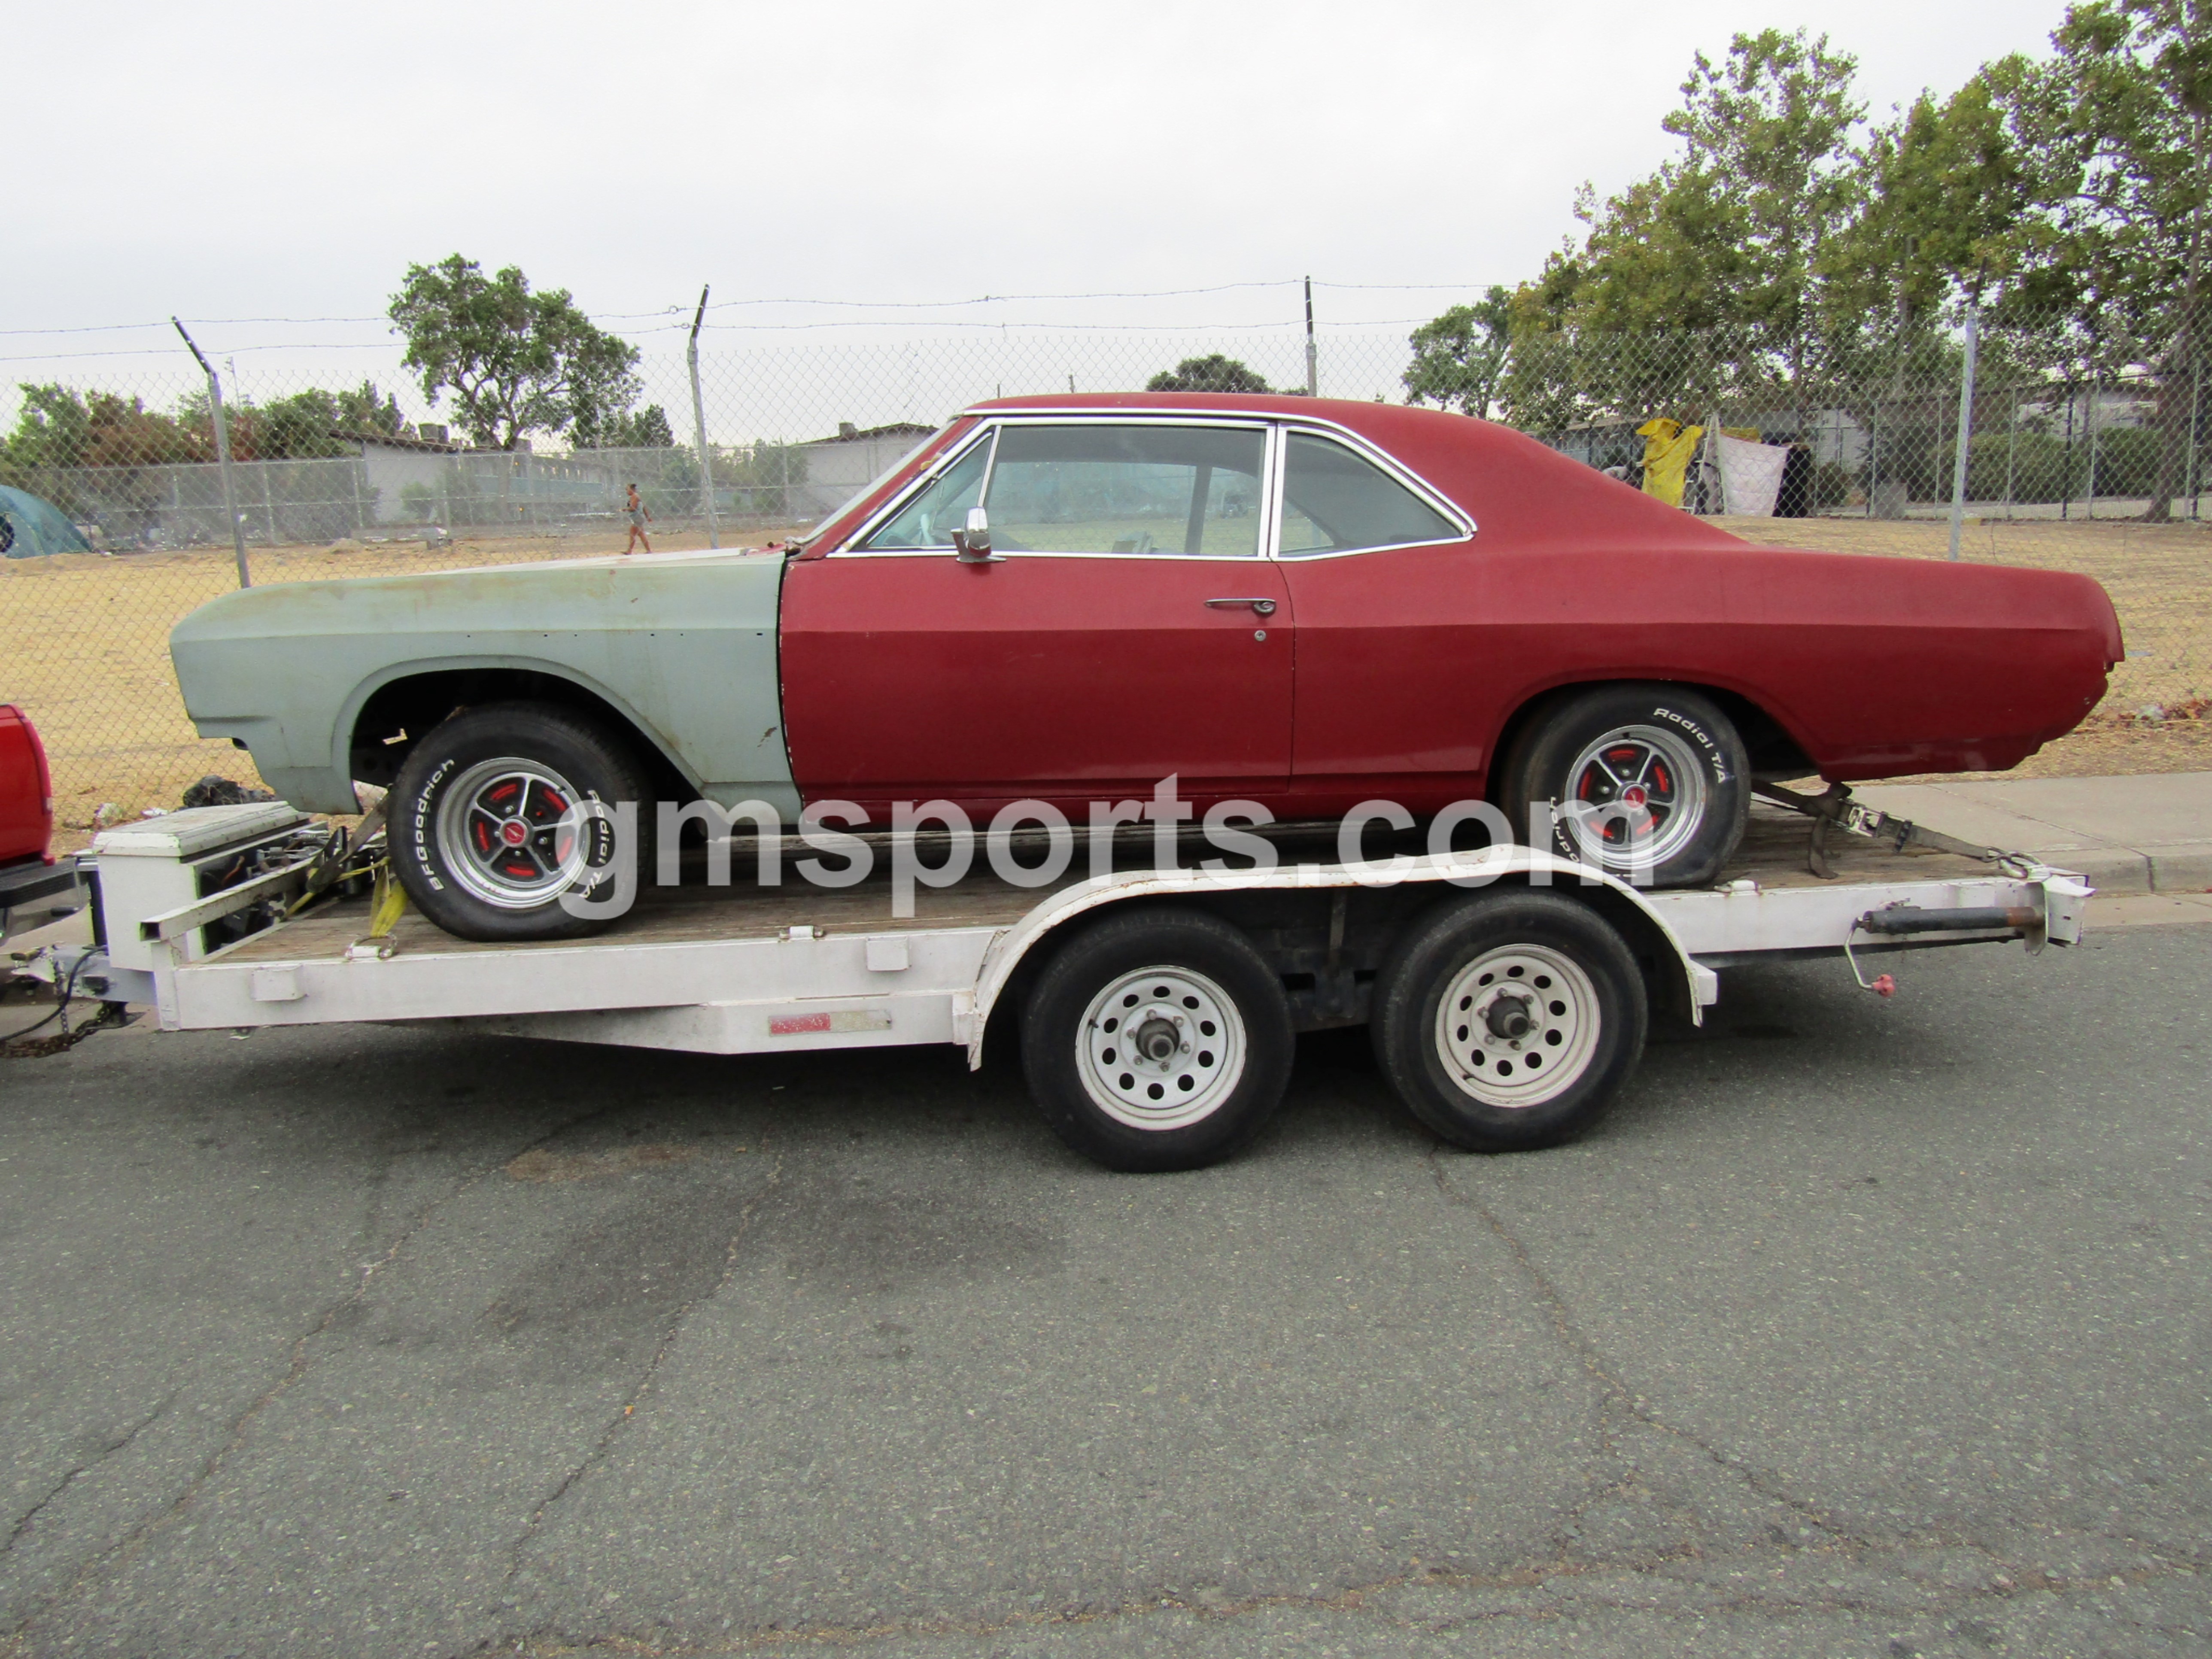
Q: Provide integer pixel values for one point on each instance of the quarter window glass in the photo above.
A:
(1101, 488)
(930, 519)
(1334, 501)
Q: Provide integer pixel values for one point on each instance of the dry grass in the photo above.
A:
(83, 639)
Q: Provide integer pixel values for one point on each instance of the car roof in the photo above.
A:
(1519, 491)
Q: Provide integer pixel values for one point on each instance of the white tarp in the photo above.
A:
(1750, 475)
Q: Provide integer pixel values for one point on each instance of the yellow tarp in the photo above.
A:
(1668, 448)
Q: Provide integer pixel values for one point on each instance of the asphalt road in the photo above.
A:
(1866, 1328)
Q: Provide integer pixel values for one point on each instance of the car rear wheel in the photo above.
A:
(1649, 783)
(1509, 1021)
(1157, 1039)
(485, 833)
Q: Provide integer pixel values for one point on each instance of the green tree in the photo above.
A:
(2124, 101)
(1213, 374)
(90, 454)
(366, 410)
(302, 427)
(515, 359)
(643, 429)
(1459, 358)
(1769, 133)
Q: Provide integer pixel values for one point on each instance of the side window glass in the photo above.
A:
(1333, 502)
(1096, 488)
(932, 517)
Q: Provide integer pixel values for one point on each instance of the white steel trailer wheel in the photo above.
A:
(1517, 1026)
(1161, 1048)
(1508, 1020)
(1636, 795)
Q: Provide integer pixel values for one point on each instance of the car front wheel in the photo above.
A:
(487, 828)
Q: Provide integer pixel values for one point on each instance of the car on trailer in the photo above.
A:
(1299, 603)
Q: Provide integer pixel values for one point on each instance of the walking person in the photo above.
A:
(640, 516)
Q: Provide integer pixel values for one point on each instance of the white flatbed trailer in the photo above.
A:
(750, 969)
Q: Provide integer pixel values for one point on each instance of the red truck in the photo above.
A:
(32, 883)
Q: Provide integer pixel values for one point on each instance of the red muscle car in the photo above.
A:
(1313, 604)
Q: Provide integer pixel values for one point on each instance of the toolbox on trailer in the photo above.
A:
(1509, 989)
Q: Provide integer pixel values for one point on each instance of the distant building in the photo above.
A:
(391, 463)
(837, 467)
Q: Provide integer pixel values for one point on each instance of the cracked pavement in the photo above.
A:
(1862, 1328)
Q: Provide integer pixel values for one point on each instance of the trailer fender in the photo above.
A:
(1699, 984)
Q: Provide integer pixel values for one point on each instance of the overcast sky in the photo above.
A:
(252, 160)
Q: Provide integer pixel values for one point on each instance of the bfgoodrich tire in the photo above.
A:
(1648, 782)
(1509, 1021)
(1157, 1039)
(480, 829)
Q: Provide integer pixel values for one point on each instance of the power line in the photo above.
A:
(725, 305)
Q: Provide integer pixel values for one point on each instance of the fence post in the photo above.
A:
(699, 427)
(1313, 358)
(2196, 395)
(2012, 452)
(1966, 424)
(222, 458)
(2066, 457)
(1874, 458)
(2096, 397)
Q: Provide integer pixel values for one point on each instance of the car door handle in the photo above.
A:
(1265, 607)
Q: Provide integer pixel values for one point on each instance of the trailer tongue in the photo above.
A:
(1509, 990)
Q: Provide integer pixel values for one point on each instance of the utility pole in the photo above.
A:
(699, 427)
(223, 457)
(1313, 359)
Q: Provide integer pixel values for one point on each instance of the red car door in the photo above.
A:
(1130, 629)
(1380, 577)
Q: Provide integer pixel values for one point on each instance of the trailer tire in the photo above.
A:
(1665, 754)
(477, 810)
(1157, 1039)
(1509, 1021)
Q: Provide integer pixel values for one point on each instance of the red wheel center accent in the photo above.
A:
(514, 833)
(1634, 795)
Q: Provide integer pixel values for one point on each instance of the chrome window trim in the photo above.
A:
(992, 422)
(1390, 467)
(986, 432)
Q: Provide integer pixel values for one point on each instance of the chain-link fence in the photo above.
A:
(114, 503)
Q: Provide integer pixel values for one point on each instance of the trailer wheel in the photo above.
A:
(1650, 783)
(1509, 1021)
(1157, 1039)
(481, 832)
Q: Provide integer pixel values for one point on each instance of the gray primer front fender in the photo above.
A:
(683, 645)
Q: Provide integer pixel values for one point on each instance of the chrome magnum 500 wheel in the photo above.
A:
(1647, 782)
(485, 829)
(1508, 1020)
(1157, 1039)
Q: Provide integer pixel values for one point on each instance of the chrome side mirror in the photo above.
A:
(973, 544)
